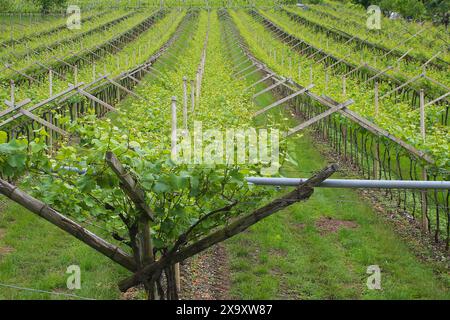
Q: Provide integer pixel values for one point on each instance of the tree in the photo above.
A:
(46, 5)
(437, 9)
(407, 8)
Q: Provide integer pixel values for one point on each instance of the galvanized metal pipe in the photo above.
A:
(354, 183)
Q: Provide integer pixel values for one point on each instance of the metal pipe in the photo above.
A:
(353, 183)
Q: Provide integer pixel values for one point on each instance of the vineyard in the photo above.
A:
(223, 150)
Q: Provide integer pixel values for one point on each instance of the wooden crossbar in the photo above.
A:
(259, 81)
(245, 69)
(94, 98)
(437, 99)
(318, 117)
(251, 72)
(43, 122)
(42, 103)
(126, 89)
(402, 85)
(276, 84)
(277, 103)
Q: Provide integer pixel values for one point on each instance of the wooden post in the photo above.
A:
(13, 93)
(192, 96)
(376, 99)
(198, 87)
(75, 74)
(422, 114)
(377, 145)
(50, 131)
(174, 126)
(185, 104)
(344, 85)
(50, 82)
(424, 170)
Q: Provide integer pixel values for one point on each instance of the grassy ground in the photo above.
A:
(320, 249)
(35, 254)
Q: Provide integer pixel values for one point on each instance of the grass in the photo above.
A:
(40, 257)
(287, 256)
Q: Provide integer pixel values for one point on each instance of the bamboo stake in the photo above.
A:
(344, 86)
(377, 145)
(185, 104)
(50, 82)
(174, 126)
(75, 74)
(192, 96)
(424, 170)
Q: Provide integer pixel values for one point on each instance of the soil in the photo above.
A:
(206, 276)
(329, 225)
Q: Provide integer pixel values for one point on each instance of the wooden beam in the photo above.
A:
(42, 103)
(125, 89)
(375, 129)
(129, 185)
(54, 217)
(273, 86)
(93, 98)
(43, 122)
(259, 81)
(281, 101)
(318, 117)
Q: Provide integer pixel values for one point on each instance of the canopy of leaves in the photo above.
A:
(46, 6)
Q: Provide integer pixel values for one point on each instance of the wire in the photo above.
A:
(43, 291)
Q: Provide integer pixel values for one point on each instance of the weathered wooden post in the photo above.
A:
(13, 93)
(198, 87)
(174, 126)
(185, 104)
(75, 74)
(50, 82)
(344, 85)
(424, 200)
(376, 99)
(192, 96)
(377, 145)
